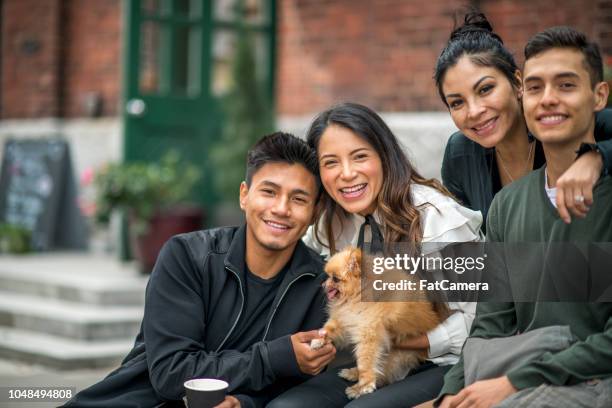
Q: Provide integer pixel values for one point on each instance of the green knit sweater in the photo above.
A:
(522, 212)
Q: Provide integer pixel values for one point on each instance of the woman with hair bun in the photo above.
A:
(481, 85)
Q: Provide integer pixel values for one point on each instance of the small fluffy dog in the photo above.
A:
(372, 327)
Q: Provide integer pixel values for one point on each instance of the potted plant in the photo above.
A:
(153, 195)
(14, 239)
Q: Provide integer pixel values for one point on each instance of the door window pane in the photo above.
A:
(253, 11)
(224, 44)
(182, 8)
(150, 70)
(187, 8)
(225, 10)
(186, 60)
(150, 7)
(224, 51)
(261, 55)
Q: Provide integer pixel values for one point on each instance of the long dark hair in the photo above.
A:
(476, 39)
(399, 216)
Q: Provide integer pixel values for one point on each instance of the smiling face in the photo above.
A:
(351, 170)
(482, 102)
(559, 100)
(278, 206)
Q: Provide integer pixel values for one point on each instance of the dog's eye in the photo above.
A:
(335, 279)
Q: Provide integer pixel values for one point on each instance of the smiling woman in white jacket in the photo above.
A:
(368, 179)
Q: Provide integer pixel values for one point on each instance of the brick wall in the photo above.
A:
(383, 53)
(516, 20)
(350, 50)
(91, 55)
(603, 27)
(30, 58)
(55, 53)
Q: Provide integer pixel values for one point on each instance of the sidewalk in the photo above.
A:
(83, 300)
(15, 374)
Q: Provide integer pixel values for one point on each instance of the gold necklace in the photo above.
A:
(501, 160)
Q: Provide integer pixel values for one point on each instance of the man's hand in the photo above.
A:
(446, 401)
(311, 361)
(229, 402)
(576, 182)
(481, 394)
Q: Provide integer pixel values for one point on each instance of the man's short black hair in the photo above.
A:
(567, 37)
(282, 147)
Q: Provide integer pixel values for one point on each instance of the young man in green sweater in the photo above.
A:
(563, 88)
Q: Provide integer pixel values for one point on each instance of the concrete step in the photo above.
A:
(73, 277)
(71, 320)
(60, 353)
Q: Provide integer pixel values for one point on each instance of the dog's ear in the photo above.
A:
(354, 262)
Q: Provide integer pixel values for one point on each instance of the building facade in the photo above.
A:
(72, 67)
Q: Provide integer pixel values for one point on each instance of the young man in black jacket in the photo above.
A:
(237, 303)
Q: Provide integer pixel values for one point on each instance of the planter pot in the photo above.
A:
(163, 225)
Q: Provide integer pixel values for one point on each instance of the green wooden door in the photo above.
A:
(177, 67)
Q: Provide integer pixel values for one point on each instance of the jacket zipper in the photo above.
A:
(239, 313)
(280, 300)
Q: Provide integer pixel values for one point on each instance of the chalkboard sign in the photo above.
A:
(38, 192)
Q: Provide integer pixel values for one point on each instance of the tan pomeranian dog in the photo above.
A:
(372, 327)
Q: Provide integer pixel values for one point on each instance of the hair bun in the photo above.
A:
(474, 22)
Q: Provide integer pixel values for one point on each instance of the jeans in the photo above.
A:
(326, 390)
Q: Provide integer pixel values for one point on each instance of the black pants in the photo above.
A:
(327, 391)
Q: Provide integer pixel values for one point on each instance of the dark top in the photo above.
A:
(470, 171)
(259, 294)
(193, 302)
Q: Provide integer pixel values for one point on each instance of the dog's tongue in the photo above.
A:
(331, 293)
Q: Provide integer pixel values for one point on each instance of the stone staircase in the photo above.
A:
(69, 311)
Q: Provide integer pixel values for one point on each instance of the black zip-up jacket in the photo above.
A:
(194, 299)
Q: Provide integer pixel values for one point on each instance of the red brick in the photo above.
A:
(381, 53)
(92, 58)
(30, 79)
(388, 63)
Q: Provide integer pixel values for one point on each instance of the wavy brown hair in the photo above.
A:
(400, 218)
